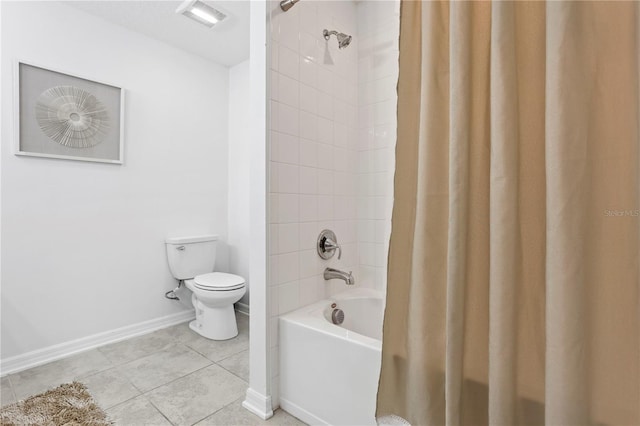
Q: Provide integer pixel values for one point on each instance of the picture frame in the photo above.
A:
(65, 116)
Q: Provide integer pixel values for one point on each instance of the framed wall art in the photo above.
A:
(63, 116)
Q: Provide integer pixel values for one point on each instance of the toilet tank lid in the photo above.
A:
(194, 239)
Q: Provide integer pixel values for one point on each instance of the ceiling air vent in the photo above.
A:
(201, 12)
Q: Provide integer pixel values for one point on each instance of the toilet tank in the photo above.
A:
(191, 256)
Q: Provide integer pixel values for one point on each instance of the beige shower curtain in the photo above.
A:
(513, 290)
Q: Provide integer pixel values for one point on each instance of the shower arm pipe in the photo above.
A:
(287, 4)
(327, 34)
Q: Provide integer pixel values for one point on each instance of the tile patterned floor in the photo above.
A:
(170, 377)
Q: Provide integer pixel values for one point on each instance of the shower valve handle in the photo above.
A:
(330, 245)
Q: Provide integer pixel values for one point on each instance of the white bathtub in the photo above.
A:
(329, 373)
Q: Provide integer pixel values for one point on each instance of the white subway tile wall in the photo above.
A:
(332, 139)
(378, 31)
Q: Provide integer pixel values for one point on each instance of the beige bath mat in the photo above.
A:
(68, 404)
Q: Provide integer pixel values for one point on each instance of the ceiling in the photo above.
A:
(227, 43)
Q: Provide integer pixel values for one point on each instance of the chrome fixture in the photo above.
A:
(337, 316)
(327, 244)
(330, 273)
(343, 39)
(287, 4)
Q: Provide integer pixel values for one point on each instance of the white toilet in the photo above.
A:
(192, 259)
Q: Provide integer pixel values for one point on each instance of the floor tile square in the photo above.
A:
(238, 364)
(136, 412)
(180, 333)
(163, 367)
(110, 388)
(39, 379)
(193, 397)
(217, 350)
(135, 348)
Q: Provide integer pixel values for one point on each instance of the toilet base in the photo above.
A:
(215, 323)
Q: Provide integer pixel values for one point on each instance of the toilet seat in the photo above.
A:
(218, 281)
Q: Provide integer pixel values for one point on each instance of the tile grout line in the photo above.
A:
(138, 358)
(154, 353)
(229, 371)
(235, 374)
(218, 410)
(178, 378)
(209, 414)
(234, 354)
(222, 359)
(143, 392)
(159, 410)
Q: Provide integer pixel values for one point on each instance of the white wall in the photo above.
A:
(239, 173)
(82, 243)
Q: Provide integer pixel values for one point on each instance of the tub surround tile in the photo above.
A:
(163, 367)
(237, 364)
(289, 297)
(288, 237)
(235, 414)
(110, 388)
(288, 90)
(288, 267)
(44, 377)
(138, 411)
(288, 61)
(196, 396)
(288, 181)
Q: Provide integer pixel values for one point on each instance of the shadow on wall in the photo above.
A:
(11, 335)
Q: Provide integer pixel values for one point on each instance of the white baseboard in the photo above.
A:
(63, 350)
(258, 404)
(243, 308)
(296, 411)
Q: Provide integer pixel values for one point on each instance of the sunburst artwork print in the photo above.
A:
(72, 117)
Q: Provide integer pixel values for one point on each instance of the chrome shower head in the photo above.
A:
(343, 39)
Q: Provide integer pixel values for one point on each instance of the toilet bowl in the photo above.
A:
(213, 297)
(192, 260)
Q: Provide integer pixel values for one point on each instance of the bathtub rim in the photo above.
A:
(312, 317)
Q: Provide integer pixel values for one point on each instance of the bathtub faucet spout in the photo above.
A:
(330, 273)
